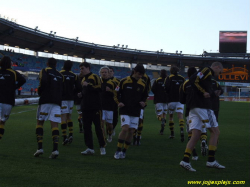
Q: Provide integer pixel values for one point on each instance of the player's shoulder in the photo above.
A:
(93, 76)
(72, 73)
(181, 77)
(160, 79)
(171, 76)
(125, 78)
(142, 82)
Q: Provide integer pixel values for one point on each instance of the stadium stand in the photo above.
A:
(28, 63)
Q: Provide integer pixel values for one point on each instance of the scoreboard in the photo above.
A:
(233, 42)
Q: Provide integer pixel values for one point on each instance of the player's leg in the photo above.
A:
(55, 119)
(64, 112)
(5, 110)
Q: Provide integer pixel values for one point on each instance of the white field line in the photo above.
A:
(23, 111)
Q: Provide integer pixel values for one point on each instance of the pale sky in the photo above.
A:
(190, 26)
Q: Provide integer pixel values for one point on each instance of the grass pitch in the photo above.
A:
(154, 163)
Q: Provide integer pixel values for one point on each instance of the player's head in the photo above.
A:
(51, 62)
(84, 68)
(163, 73)
(139, 71)
(104, 72)
(111, 72)
(5, 63)
(191, 71)
(67, 65)
(217, 67)
(174, 70)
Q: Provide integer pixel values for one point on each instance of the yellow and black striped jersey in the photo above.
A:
(108, 97)
(160, 96)
(50, 87)
(91, 98)
(172, 85)
(10, 80)
(131, 92)
(146, 79)
(202, 82)
(186, 95)
(70, 84)
(114, 79)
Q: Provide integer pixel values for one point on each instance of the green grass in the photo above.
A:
(154, 163)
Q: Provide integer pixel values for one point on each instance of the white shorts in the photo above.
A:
(201, 118)
(130, 120)
(5, 110)
(175, 107)
(49, 112)
(67, 107)
(107, 116)
(204, 130)
(142, 114)
(78, 109)
(161, 108)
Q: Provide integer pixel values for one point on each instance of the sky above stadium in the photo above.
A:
(188, 26)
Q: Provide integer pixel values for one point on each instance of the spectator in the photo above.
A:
(19, 90)
(31, 91)
(35, 91)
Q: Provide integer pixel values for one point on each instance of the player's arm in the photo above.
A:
(94, 84)
(154, 87)
(220, 89)
(143, 102)
(63, 84)
(42, 81)
(199, 79)
(167, 84)
(145, 95)
(77, 84)
(182, 95)
(118, 90)
(19, 79)
(114, 92)
(148, 84)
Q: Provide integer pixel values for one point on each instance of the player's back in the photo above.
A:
(172, 86)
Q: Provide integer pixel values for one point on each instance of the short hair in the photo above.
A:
(139, 68)
(52, 62)
(67, 65)
(5, 63)
(191, 71)
(85, 64)
(111, 68)
(104, 67)
(217, 64)
(174, 70)
(163, 73)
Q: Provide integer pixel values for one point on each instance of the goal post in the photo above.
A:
(243, 92)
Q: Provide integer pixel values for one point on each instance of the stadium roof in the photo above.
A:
(14, 34)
